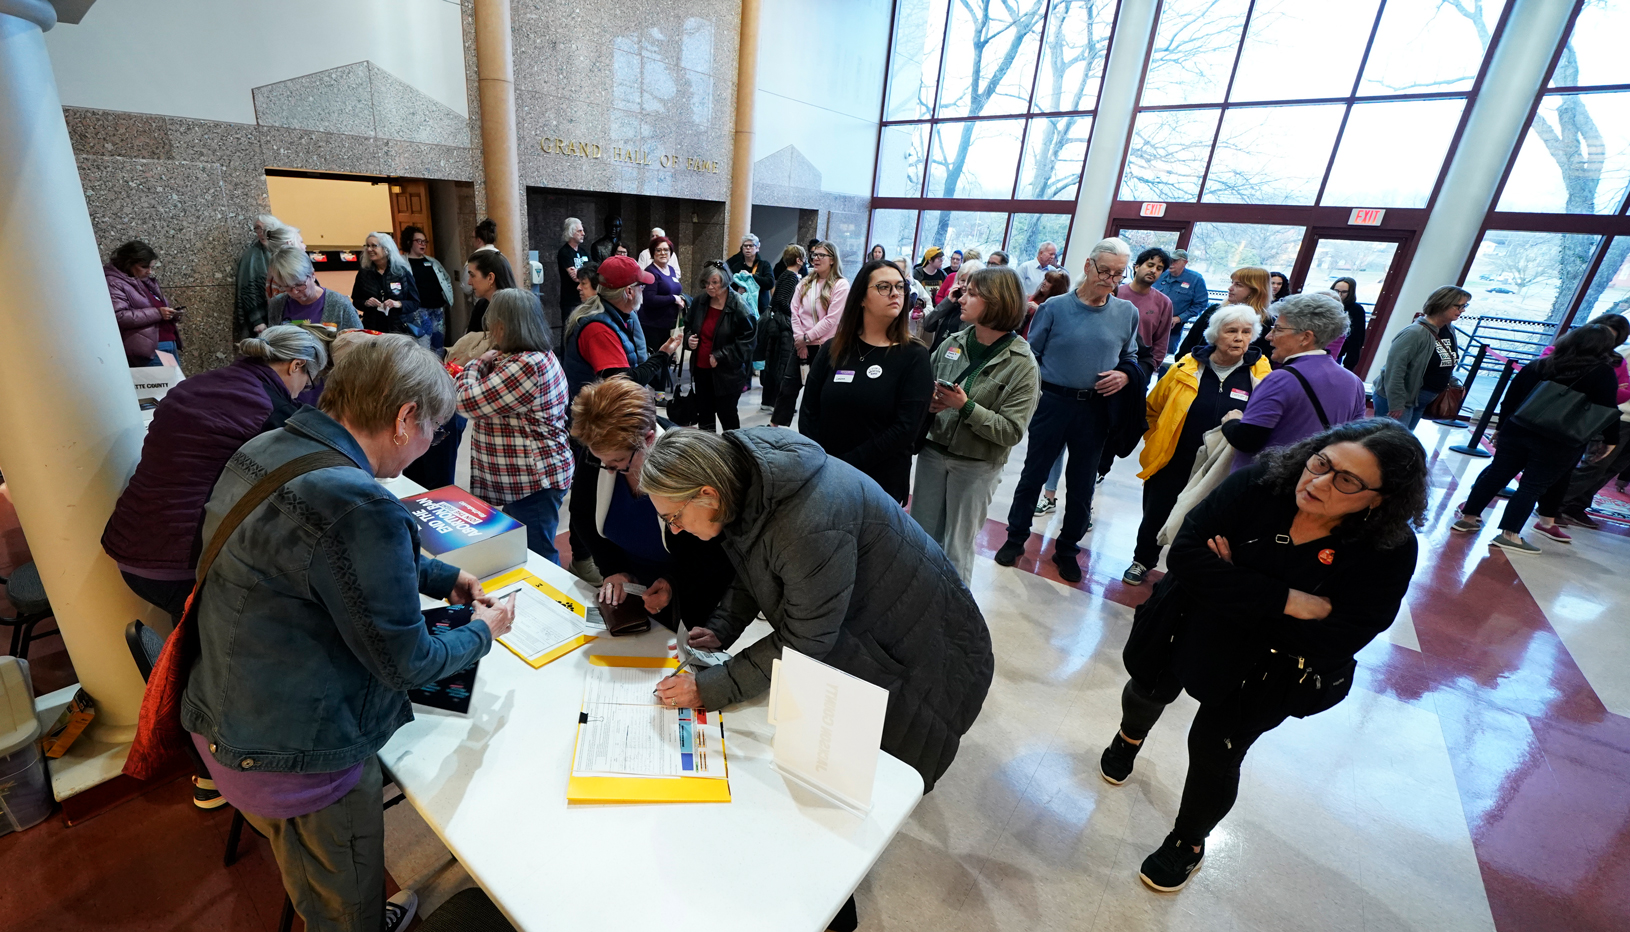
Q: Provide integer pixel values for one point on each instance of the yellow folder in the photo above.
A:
(572, 605)
(646, 789)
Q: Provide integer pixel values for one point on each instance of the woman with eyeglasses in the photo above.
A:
(1278, 578)
(1308, 392)
(1348, 348)
(719, 335)
(515, 395)
(869, 386)
(303, 297)
(684, 577)
(384, 291)
(1421, 362)
(815, 306)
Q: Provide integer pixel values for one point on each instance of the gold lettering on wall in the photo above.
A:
(626, 155)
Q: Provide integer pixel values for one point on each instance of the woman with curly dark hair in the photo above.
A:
(1278, 578)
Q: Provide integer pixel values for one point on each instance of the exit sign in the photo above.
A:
(1152, 209)
(1365, 217)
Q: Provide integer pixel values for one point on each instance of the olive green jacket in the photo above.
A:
(1004, 395)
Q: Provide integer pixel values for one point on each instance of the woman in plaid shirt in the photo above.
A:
(515, 398)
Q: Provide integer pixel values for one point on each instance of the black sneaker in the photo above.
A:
(1068, 569)
(1134, 574)
(1583, 520)
(1116, 763)
(205, 795)
(1169, 869)
(1009, 553)
(399, 910)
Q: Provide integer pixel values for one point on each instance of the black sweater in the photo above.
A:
(869, 422)
(1235, 611)
(1599, 384)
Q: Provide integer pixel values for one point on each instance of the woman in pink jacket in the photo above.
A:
(147, 323)
(816, 307)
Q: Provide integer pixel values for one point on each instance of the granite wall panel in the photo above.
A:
(338, 100)
(175, 207)
(402, 111)
(206, 329)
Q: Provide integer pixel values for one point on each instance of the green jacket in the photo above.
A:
(1411, 352)
(1004, 395)
(249, 297)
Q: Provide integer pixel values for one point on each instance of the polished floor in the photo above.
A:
(1478, 777)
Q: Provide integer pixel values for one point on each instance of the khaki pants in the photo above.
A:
(950, 499)
(333, 860)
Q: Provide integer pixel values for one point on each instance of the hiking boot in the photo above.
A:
(1134, 574)
(1116, 763)
(1169, 869)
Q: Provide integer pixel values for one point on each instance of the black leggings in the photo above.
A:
(1218, 740)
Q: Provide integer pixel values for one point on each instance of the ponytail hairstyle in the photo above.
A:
(825, 296)
(286, 343)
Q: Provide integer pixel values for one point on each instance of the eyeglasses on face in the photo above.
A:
(889, 288)
(1345, 482)
(820, 255)
(1107, 275)
(672, 521)
(1276, 328)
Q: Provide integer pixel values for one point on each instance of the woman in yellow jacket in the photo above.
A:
(1191, 398)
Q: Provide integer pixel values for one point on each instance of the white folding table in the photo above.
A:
(492, 785)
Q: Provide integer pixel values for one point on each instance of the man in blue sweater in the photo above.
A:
(1086, 345)
(1188, 293)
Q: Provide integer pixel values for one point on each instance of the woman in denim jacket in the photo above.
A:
(310, 632)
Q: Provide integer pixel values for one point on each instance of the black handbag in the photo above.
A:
(683, 408)
(1558, 412)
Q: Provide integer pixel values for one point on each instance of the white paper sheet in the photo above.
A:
(541, 624)
(828, 728)
(627, 733)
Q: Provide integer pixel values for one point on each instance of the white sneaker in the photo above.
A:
(400, 909)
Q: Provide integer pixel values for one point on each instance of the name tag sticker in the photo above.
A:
(1183, 284)
(1239, 394)
(953, 353)
(844, 375)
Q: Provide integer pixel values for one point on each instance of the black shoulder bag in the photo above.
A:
(1308, 388)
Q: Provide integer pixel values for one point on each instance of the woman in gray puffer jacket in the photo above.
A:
(842, 574)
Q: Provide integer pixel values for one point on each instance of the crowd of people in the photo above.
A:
(910, 384)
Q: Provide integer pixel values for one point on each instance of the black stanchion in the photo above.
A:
(1456, 420)
(1470, 447)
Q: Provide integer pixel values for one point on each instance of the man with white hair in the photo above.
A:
(571, 257)
(673, 256)
(1032, 271)
(1086, 346)
(249, 303)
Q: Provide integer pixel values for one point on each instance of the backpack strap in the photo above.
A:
(1317, 408)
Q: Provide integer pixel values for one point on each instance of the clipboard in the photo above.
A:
(606, 790)
(577, 608)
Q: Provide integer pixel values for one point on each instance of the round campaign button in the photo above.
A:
(1327, 556)
(874, 372)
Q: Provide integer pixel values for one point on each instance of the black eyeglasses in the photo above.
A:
(890, 288)
(1345, 482)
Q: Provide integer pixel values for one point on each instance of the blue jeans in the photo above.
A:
(540, 512)
(1412, 414)
(1054, 473)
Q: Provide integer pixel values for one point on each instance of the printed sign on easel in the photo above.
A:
(828, 728)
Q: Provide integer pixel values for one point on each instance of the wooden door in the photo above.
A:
(410, 205)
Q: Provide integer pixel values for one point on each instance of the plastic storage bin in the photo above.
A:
(25, 788)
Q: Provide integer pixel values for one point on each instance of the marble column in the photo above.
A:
(739, 217)
(1498, 119)
(1111, 129)
(500, 155)
(70, 429)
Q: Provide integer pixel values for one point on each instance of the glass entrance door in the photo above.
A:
(1372, 264)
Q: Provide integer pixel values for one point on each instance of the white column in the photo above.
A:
(1498, 120)
(1111, 129)
(70, 430)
